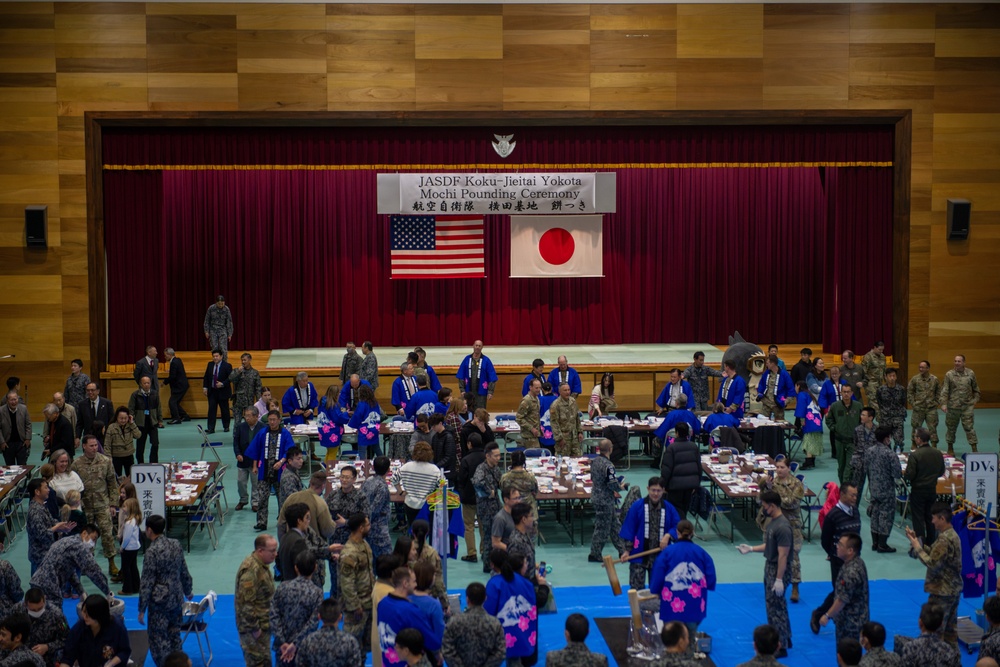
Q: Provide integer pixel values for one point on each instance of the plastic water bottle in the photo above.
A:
(173, 466)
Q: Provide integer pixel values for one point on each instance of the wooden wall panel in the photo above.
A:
(940, 61)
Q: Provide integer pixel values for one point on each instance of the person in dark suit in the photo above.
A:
(216, 386)
(60, 432)
(294, 542)
(178, 383)
(144, 408)
(147, 367)
(93, 408)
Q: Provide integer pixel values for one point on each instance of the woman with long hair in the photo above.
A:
(602, 398)
(64, 478)
(330, 422)
(97, 639)
(366, 420)
(425, 553)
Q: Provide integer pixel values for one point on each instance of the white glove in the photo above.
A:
(778, 588)
(745, 549)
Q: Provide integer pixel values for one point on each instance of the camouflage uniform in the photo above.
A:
(873, 366)
(344, 504)
(486, 480)
(525, 482)
(49, 629)
(565, 417)
(928, 649)
(40, 535)
(576, 654)
(851, 588)
(879, 657)
(10, 587)
(369, 369)
(293, 613)
(522, 544)
(437, 590)
(923, 396)
(761, 661)
(100, 492)
(989, 645)
(75, 391)
(377, 493)
(320, 548)
(246, 388)
(675, 660)
(254, 590)
(529, 417)
(219, 327)
(474, 639)
(698, 379)
(892, 410)
(864, 440)
(792, 492)
(960, 393)
(290, 483)
(350, 365)
(67, 557)
(329, 647)
(357, 581)
(882, 466)
(22, 655)
(607, 520)
(943, 582)
(165, 580)
(777, 534)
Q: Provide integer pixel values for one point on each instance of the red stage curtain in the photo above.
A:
(691, 255)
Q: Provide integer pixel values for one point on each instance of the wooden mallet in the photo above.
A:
(609, 565)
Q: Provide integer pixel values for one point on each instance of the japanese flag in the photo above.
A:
(556, 246)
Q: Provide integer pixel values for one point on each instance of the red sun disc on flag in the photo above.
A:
(556, 246)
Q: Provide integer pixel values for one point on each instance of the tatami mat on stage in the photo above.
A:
(512, 355)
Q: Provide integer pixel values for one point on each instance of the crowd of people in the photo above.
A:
(390, 598)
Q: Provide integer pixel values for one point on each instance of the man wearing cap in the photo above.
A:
(219, 326)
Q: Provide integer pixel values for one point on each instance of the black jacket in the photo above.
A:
(242, 437)
(178, 379)
(468, 428)
(225, 391)
(85, 416)
(443, 444)
(836, 523)
(466, 469)
(680, 466)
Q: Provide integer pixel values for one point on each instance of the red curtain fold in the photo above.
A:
(302, 258)
(463, 145)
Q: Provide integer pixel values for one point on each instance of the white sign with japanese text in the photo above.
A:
(981, 479)
(497, 194)
(150, 480)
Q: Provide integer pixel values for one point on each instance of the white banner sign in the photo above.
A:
(150, 481)
(981, 479)
(497, 194)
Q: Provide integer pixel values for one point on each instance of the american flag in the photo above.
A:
(428, 247)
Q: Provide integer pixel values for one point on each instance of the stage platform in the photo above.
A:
(641, 370)
(679, 354)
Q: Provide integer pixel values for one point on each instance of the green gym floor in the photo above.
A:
(216, 569)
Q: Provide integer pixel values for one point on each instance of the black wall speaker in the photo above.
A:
(36, 226)
(959, 213)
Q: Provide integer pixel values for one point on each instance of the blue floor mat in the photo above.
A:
(734, 610)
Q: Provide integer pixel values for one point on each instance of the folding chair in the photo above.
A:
(220, 473)
(203, 516)
(210, 446)
(902, 498)
(195, 621)
(809, 507)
